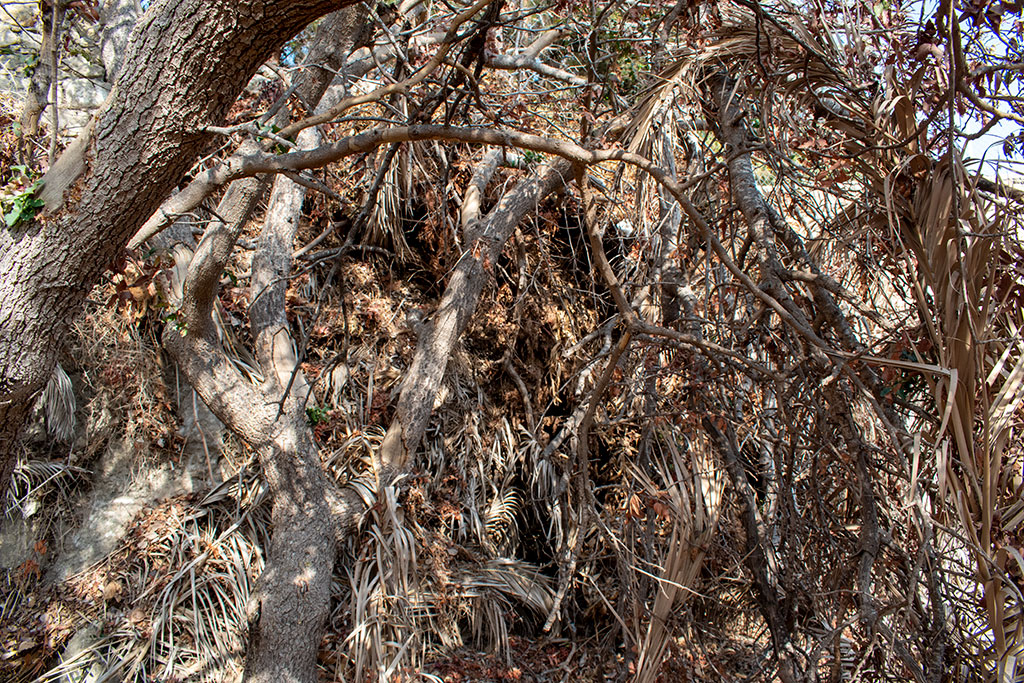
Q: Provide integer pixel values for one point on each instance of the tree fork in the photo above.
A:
(289, 607)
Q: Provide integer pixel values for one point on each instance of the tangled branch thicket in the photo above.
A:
(741, 396)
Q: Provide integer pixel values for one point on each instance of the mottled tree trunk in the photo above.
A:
(290, 605)
(301, 554)
(37, 95)
(484, 243)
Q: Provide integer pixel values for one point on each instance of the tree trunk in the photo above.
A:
(38, 93)
(293, 595)
(290, 605)
(185, 66)
(301, 554)
(295, 589)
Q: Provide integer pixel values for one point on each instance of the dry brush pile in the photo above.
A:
(691, 357)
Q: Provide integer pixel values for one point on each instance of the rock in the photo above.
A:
(121, 489)
(10, 37)
(82, 87)
(82, 94)
(20, 13)
(17, 537)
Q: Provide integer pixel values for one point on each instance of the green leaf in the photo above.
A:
(12, 217)
(22, 206)
(315, 415)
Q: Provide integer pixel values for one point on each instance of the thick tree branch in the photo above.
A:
(572, 152)
(308, 513)
(229, 395)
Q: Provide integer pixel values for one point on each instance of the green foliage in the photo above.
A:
(30, 65)
(267, 128)
(315, 415)
(178, 323)
(631, 68)
(270, 131)
(531, 157)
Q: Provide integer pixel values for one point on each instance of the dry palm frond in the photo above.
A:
(920, 264)
(655, 102)
(956, 241)
(397, 610)
(353, 456)
(385, 222)
(692, 489)
(30, 480)
(515, 579)
(385, 625)
(500, 517)
(490, 593)
(175, 594)
(199, 618)
(58, 400)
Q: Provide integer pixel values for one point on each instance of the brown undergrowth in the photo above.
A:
(767, 439)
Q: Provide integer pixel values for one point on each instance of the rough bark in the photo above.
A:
(242, 196)
(270, 268)
(186, 64)
(743, 185)
(294, 591)
(326, 56)
(290, 604)
(292, 598)
(301, 555)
